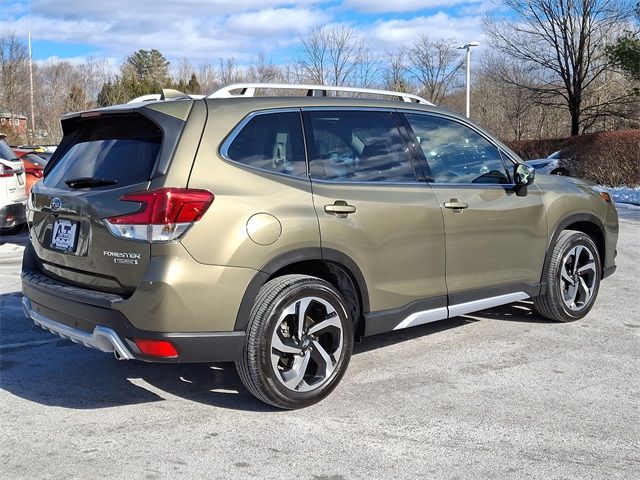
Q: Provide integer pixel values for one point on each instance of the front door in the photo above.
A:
(495, 237)
(372, 207)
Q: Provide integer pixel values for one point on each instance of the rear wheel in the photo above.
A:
(573, 278)
(299, 342)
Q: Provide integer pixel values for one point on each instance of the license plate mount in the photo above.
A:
(64, 235)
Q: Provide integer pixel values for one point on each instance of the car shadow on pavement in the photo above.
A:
(513, 312)
(20, 237)
(51, 371)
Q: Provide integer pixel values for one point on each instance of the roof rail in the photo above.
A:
(167, 94)
(249, 90)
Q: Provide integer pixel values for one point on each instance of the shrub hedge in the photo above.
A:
(607, 158)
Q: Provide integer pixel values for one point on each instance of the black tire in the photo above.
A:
(256, 369)
(552, 304)
(11, 230)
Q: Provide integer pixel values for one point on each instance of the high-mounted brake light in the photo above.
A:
(164, 214)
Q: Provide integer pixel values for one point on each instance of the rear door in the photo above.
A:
(119, 152)
(495, 236)
(372, 206)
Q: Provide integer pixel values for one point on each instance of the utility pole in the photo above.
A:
(33, 117)
(468, 47)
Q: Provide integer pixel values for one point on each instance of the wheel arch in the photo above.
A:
(582, 222)
(331, 265)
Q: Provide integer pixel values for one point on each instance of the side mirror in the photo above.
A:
(523, 175)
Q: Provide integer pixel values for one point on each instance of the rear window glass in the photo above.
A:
(5, 152)
(271, 142)
(123, 148)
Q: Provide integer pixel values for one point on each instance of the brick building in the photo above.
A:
(13, 121)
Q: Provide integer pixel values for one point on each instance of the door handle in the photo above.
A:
(455, 204)
(340, 209)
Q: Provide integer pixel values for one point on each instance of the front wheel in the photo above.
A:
(299, 342)
(573, 278)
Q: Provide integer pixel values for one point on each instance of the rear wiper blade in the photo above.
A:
(83, 182)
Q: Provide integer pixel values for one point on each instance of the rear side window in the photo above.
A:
(356, 146)
(123, 148)
(271, 142)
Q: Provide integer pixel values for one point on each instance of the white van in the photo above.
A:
(13, 195)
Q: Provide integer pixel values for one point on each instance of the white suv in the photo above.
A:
(13, 195)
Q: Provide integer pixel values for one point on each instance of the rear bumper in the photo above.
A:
(83, 316)
(102, 338)
(13, 214)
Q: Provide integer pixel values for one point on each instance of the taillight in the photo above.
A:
(6, 171)
(164, 214)
(36, 172)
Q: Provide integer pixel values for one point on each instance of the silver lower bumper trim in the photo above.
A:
(102, 338)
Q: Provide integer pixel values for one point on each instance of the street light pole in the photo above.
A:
(33, 117)
(468, 47)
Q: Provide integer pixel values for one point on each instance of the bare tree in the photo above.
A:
(336, 56)
(436, 66)
(263, 71)
(564, 40)
(395, 71)
(207, 77)
(54, 81)
(228, 72)
(183, 70)
(14, 89)
(514, 96)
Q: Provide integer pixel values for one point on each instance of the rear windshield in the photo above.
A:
(5, 152)
(123, 148)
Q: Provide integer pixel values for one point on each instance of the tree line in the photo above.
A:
(552, 68)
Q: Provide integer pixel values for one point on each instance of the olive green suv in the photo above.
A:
(273, 231)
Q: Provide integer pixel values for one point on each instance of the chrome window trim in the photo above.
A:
(347, 108)
(223, 151)
(508, 186)
(386, 184)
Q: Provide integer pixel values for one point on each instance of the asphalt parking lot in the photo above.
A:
(500, 394)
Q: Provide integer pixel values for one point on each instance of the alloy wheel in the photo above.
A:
(306, 344)
(578, 275)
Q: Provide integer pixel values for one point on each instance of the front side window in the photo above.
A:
(271, 142)
(356, 146)
(455, 153)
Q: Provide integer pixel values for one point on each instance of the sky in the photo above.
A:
(204, 31)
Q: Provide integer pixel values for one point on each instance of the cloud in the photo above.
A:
(158, 9)
(389, 34)
(380, 6)
(196, 29)
(275, 21)
(205, 30)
